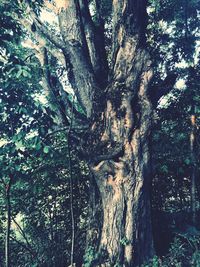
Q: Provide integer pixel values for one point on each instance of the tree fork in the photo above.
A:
(122, 119)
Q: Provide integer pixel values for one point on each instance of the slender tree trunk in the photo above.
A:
(71, 191)
(193, 171)
(7, 241)
(72, 223)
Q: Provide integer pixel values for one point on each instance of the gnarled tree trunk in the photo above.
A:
(119, 114)
(121, 168)
(117, 146)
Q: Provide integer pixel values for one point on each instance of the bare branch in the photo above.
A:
(157, 91)
(21, 231)
(67, 128)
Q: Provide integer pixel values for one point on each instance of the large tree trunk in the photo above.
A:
(117, 107)
(117, 146)
(121, 170)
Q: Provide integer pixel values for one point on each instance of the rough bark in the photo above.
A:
(118, 144)
(123, 176)
(120, 138)
(74, 37)
(96, 44)
(119, 112)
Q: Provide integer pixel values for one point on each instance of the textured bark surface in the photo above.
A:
(121, 134)
(122, 170)
(118, 142)
(119, 114)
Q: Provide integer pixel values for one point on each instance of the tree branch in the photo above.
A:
(53, 88)
(24, 246)
(76, 48)
(49, 35)
(41, 28)
(128, 34)
(157, 91)
(96, 44)
(21, 231)
(72, 129)
(113, 153)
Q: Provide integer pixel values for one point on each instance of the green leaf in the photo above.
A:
(19, 73)
(46, 149)
(19, 144)
(164, 169)
(38, 146)
(25, 73)
(187, 161)
(17, 167)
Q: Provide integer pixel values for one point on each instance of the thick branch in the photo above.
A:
(60, 96)
(132, 15)
(48, 34)
(43, 29)
(96, 44)
(52, 88)
(129, 26)
(76, 47)
(157, 91)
